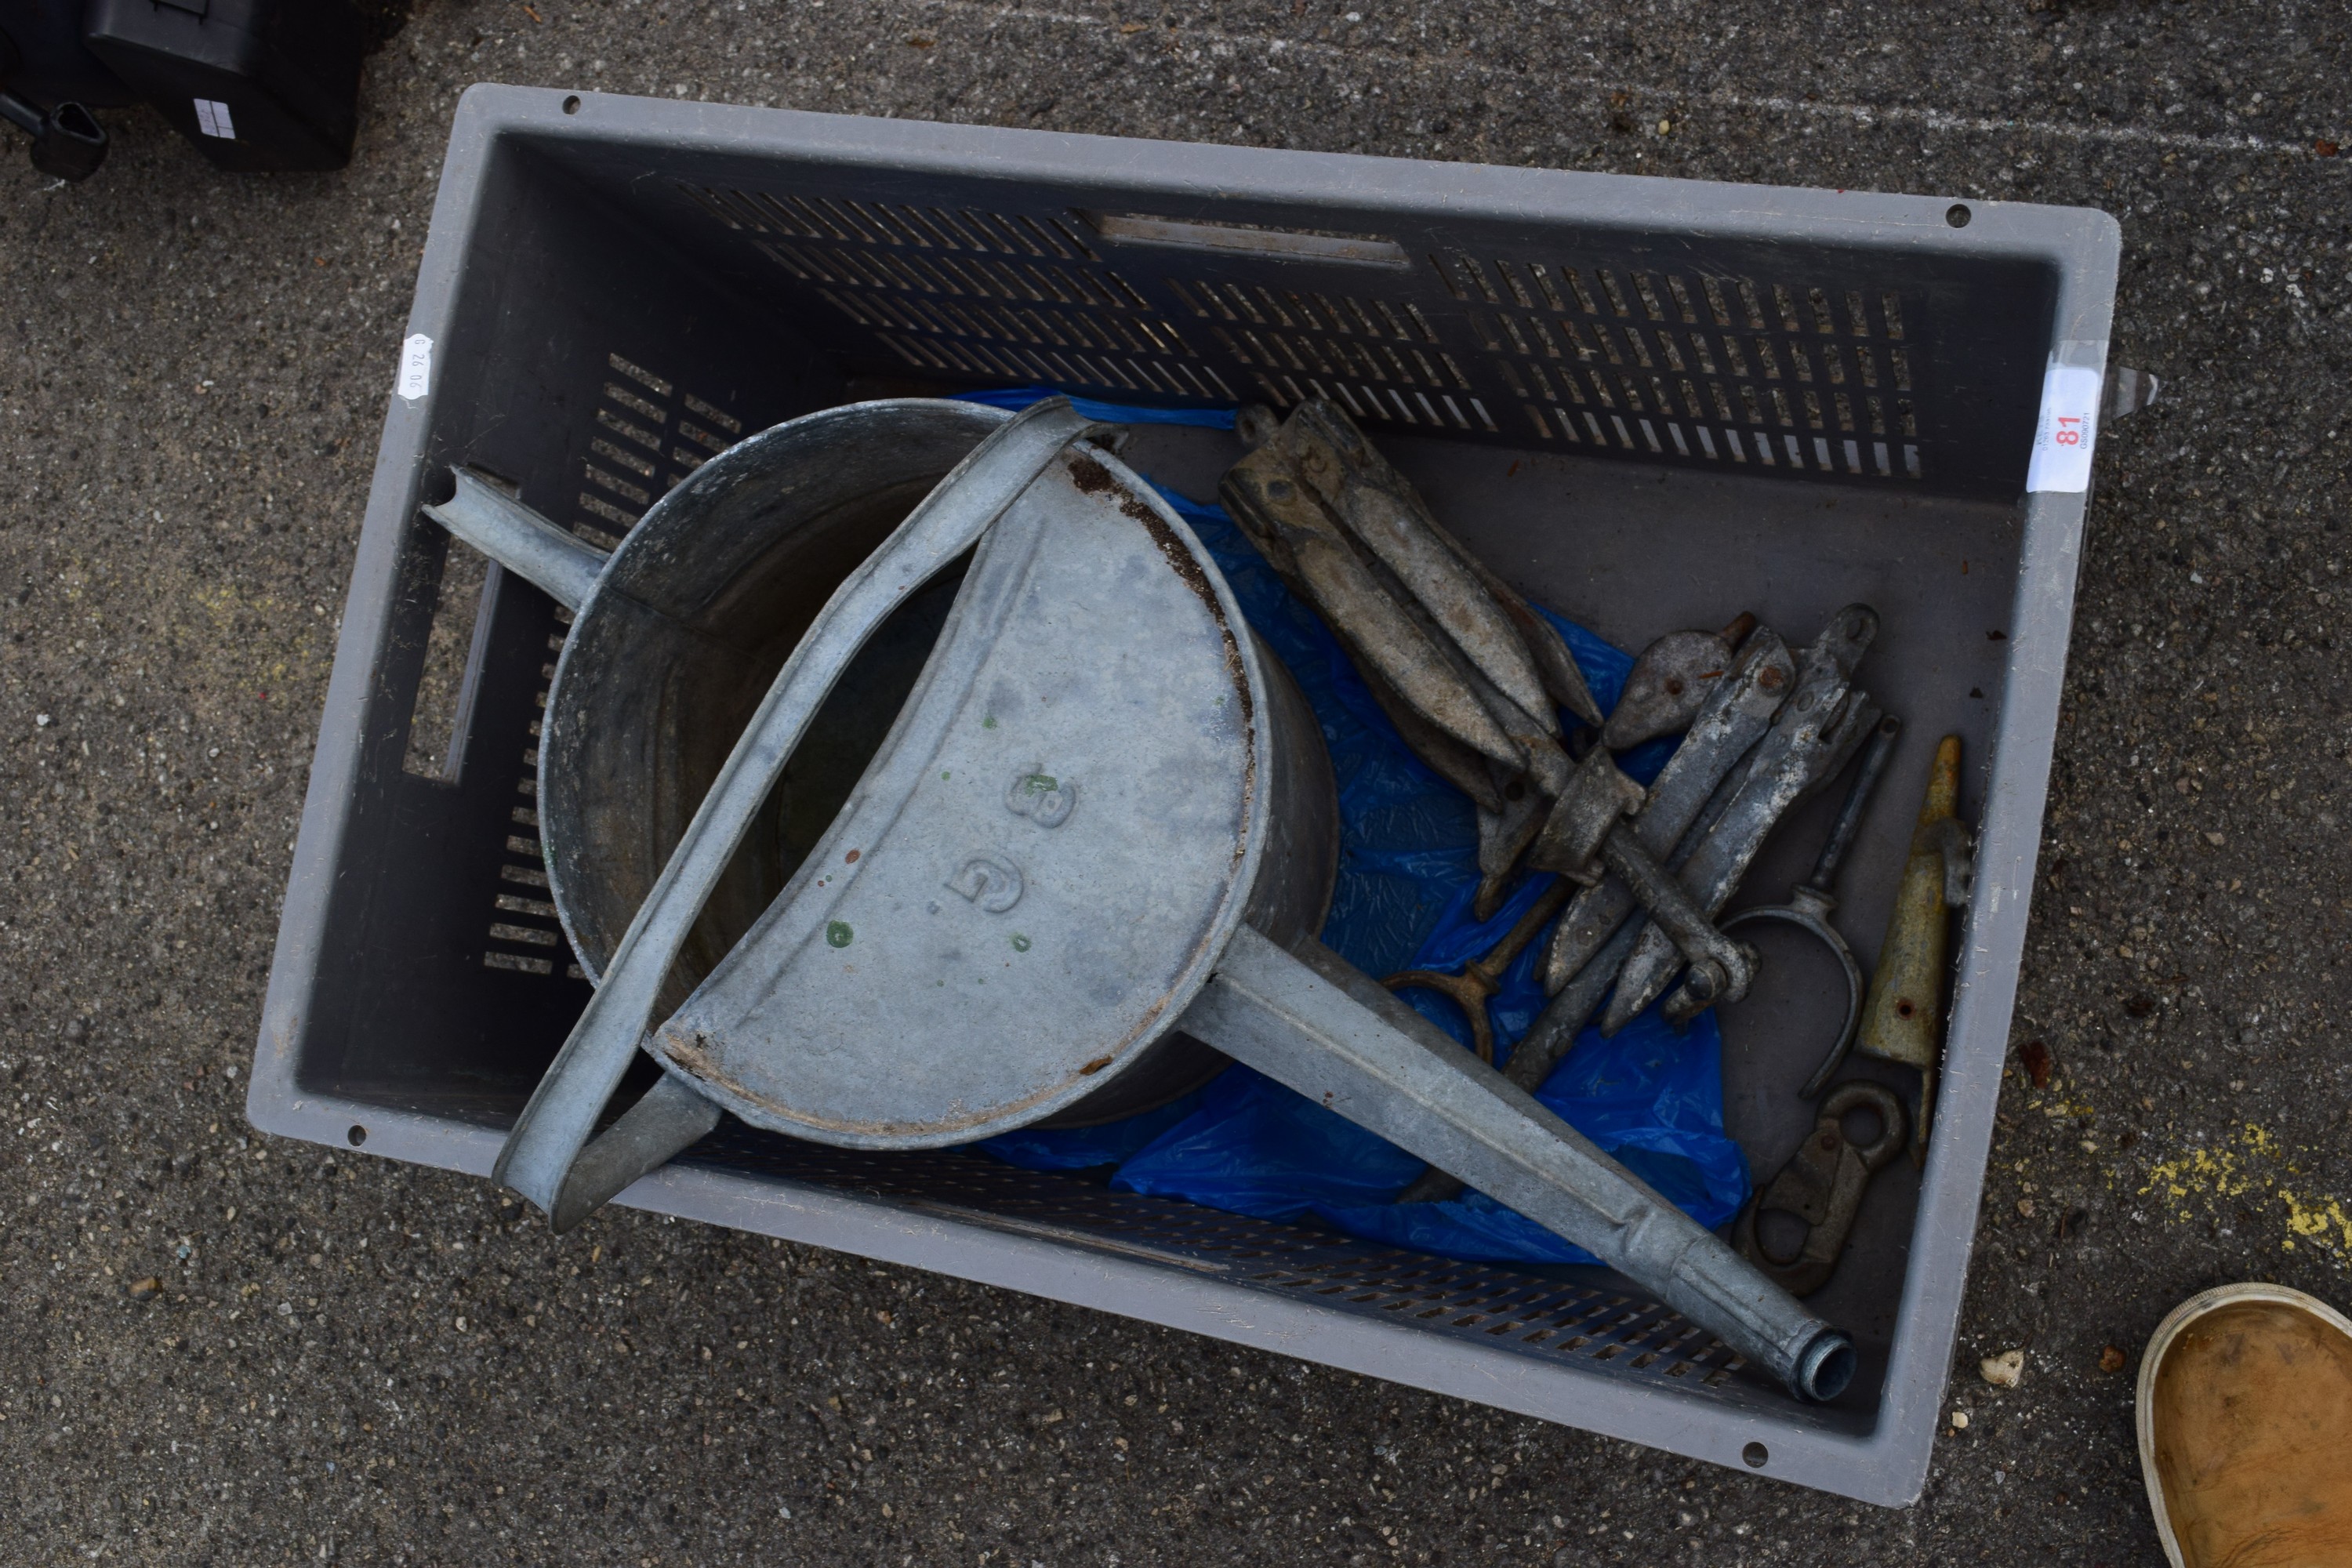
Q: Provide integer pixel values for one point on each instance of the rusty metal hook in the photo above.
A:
(1823, 1185)
(1481, 977)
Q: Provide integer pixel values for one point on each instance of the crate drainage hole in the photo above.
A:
(358, 1135)
(571, 104)
(1754, 1454)
(1957, 214)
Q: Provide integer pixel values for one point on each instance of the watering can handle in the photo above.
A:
(1309, 1019)
(548, 1158)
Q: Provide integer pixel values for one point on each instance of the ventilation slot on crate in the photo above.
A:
(1728, 371)
(645, 435)
(1544, 1318)
(524, 926)
(1765, 375)
(1535, 1315)
(1380, 359)
(973, 295)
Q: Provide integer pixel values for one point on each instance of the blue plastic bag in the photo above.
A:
(1652, 1098)
(1019, 397)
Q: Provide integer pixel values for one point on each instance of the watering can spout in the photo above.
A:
(1309, 1019)
(518, 538)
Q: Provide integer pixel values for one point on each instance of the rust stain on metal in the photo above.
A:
(1093, 479)
(688, 1053)
(690, 1056)
(1181, 562)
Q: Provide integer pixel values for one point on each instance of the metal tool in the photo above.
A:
(1814, 899)
(1384, 516)
(1354, 540)
(1586, 839)
(1717, 969)
(1462, 665)
(1902, 1019)
(1737, 712)
(1554, 1033)
(1810, 743)
(1590, 945)
(1379, 507)
(1504, 836)
(1308, 550)
(1541, 1049)
(1670, 683)
(944, 963)
(1483, 976)
(1821, 1186)
(1556, 1028)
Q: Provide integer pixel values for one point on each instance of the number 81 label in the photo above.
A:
(2066, 431)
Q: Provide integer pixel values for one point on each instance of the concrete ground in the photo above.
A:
(228, 1350)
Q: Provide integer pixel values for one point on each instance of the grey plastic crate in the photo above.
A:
(1649, 402)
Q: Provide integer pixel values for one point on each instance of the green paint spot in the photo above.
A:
(1020, 942)
(1040, 783)
(989, 722)
(944, 777)
(837, 933)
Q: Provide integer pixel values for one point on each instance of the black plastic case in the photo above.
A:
(256, 85)
(42, 55)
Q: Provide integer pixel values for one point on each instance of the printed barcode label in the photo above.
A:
(2067, 429)
(415, 367)
(211, 118)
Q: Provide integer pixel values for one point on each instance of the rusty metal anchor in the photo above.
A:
(1470, 674)
(1736, 713)
(1587, 839)
(1811, 738)
(1670, 683)
(1481, 977)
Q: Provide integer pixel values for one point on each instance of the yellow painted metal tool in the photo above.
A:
(1903, 1019)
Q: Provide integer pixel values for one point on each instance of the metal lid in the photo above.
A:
(1039, 867)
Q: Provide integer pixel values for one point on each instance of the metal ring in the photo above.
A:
(1880, 1101)
(1855, 986)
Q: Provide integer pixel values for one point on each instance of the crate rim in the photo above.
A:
(1889, 1463)
(1291, 177)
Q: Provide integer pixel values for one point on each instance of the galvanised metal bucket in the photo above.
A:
(682, 633)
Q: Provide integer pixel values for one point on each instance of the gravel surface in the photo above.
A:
(229, 1350)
